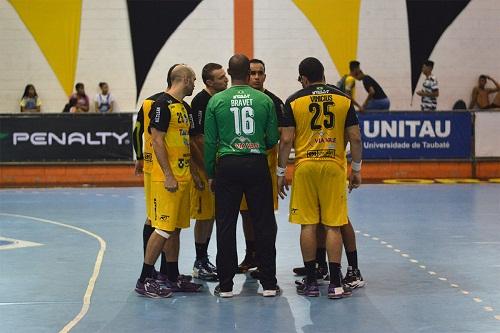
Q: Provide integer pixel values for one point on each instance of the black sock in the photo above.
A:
(146, 233)
(147, 272)
(321, 257)
(310, 270)
(173, 271)
(201, 251)
(163, 265)
(352, 259)
(250, 246)
(335, 274)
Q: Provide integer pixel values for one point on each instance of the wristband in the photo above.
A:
(280, 172)
(356, 166)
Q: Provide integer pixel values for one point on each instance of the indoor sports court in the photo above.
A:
(129, 129)
(428, 254)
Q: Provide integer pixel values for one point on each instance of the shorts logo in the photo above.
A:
(321, 153)
(164, 218)
(293, 211)
(180, 163)
(148, 157)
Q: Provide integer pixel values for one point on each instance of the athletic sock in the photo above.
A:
(321, 257)
(201, 251)
(310, 271)
(147, 272)
(163, 265)
(206, 245)
(335, 274)
(146, 233)
(173, 271)
(352, 259)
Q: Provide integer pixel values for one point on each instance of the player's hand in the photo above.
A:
(171, 184)
(211, 185)
(139, 164)
(420, 93)
(282, 186)
(354, 180)
(198, 183)
(361, 109)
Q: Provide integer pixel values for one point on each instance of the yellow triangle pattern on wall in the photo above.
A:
(337, 23)
(55, 26)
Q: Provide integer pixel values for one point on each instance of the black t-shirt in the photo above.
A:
(368, 82)
(160, 114)
(279, 106)
(197, 113)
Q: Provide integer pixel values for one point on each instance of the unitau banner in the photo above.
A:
(65, 137)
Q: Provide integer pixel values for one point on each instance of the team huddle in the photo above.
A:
(227, 154)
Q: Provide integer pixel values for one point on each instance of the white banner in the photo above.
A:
(487, 134)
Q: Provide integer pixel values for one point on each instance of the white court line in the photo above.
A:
(95, 274)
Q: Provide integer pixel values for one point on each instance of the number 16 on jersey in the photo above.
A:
(243, 120)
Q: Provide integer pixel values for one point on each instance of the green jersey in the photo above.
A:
(238, 121)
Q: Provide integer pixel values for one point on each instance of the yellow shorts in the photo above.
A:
(169, 210)
(202, 202)
(319, 194)
(147, 194)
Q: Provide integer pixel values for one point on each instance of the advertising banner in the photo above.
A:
(65, 137)
(416, 135)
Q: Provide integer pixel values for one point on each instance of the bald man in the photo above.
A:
(171, 175)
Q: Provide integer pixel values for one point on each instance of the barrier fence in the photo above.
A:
(395, 136)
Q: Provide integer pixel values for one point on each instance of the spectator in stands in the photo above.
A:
(481, 95)
(348, 84)
(376, 99)
(30, 101)
(104, 100)
(79, 100)
(430, 90)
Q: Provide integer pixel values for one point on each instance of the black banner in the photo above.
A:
(65, 137)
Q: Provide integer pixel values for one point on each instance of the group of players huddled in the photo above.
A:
(188, 155)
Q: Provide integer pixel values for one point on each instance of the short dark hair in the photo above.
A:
(79, 85)
(258, 61)
(239, 67)
(312, 68)
(354, 65)
(483, 76)
(206, 72)
(169, 74)
(27, 89)
(101, 84)
(429, 63)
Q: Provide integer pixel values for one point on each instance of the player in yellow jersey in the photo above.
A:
(170, 183)
(257, 79)
(348, 84)
(318, 120)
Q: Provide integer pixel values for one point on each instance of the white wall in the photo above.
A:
(283, 37)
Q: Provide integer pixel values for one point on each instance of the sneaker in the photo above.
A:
(338, 292)
(247, 264)
(202, 271)
(321, 272)
(209, 265)
(307, 289)
(151, 288)
(300, 271)
(182, 286)
(162, 278)
(223, 294)
(353, 278)
(276, 291)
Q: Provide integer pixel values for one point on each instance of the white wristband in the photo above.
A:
(280, 171)
(356, 166)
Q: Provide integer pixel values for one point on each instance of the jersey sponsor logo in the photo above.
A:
(68, 139)
(247, 145)
(157, 114)
(400, 128)
(321, 153)
(325, 140)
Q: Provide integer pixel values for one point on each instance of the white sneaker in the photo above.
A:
(272, 292)
(223, 294)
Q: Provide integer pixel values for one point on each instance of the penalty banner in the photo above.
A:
(416, 135)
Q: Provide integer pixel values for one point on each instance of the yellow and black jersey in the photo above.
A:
(320, 113)
(171, 116)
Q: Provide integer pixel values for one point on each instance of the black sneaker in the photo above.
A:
(202, 271)
(247, 264)
(307, 289)
(321, 272)
(353, 278)
(223, 294)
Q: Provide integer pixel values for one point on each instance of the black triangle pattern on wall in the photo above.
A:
(427, 21)
(152, 22)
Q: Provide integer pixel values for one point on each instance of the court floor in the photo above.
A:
(429, 253)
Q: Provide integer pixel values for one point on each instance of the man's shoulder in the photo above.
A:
(203, 95)
(154, 97)
(274, 98)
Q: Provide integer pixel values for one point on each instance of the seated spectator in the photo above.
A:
(30, 101)
(104, 101)
(480, 98)
(376, 99)
(79, 100)
(430, 88)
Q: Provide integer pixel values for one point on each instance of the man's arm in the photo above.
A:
(161, 153)
(497, 86)
(196, 146)
(138, 141)
(285, 146)
(210, 141)
(371, 92)
(272, 133)
(473, 98)
(354, 138)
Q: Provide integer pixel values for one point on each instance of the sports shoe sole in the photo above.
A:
(151, 295)
(224, 294)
